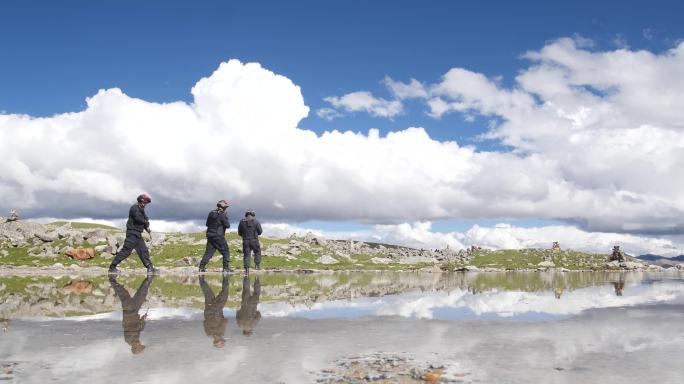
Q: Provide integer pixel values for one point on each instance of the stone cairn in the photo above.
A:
(555, 248)
(14, 216)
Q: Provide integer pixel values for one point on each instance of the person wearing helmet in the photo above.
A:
(250, 230)
(217, 223)
(133, 323)
(214, 321)
(136, 224)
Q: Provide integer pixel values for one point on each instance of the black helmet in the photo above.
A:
(250, 212)
(144, 198)
(223, 204)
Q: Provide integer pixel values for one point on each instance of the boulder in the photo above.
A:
(546, 264)
(327, 259)
(106, 255)
(80, 253)
(4, 253)
(380, 260)
(47, 236)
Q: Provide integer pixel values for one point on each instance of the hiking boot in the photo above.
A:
(258, 267)
(152, 270)
(246, 271)
(227, 270)
(112, 270)
(202, 269)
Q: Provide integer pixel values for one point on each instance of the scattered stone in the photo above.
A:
(4, 253)
(106, 255)
(100, 248)
(47, 237)
(546, 264)
(381, 260)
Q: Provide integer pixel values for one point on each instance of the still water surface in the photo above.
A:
(344, 327)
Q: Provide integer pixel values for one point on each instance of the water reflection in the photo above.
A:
(133, 323)
(214, 321)
(248, 316)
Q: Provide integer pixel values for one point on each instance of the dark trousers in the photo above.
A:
(134, 241)
(247, 247)
(216, 243)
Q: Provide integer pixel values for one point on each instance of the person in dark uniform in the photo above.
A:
(132, 322)
(214, 321)
(248, 316)
(250, 230)
(136, 224)
(217, 223)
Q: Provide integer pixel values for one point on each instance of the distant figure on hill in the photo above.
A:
(250, 230)
(214, 321)
(248, 316)
(217, 223)
(136, 224)
(132, 322)
(617, 254)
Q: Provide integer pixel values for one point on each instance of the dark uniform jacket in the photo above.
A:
(249, 228)
(217, 223)
(137, 219)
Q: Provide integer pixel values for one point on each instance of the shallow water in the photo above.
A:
(344, 327)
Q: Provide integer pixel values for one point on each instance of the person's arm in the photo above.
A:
(241, 229)
(225, 222)
(139, 216)
(258, 228)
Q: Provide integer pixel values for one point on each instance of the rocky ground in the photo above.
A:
(25, 245)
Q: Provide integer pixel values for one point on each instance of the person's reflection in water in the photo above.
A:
(619, 286)
(214, 321)
(132, 322)
(247, 316)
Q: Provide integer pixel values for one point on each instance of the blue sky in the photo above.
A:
(54, 55)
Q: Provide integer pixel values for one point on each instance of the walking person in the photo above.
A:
(214, 321)
(250, 230)
(136, 224)
(248, 316)
(133, 323)
(217, 223)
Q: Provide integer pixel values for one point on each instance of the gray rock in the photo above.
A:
(381, 260)
(327, 259)
(467, 268)
(106, 255)
(546, 264)
(100, 248)
(200, 242)
(4, 253)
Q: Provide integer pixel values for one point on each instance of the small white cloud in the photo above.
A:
(328, 114)
(363, 101)
(412, 89)
(647, 33)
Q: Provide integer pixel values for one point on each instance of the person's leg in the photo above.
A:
(129, 244)
(225, 252)
(256, 247)
(206, 290)
(246, 253)
(143, 253)
(208, 254)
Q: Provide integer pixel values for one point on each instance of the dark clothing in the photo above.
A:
(137, 219)
(247, 247)
(134, 240)
(216, 244)
(217, 223)
(132, 322)
(250, 229)
(248, 316)
(214, 321)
